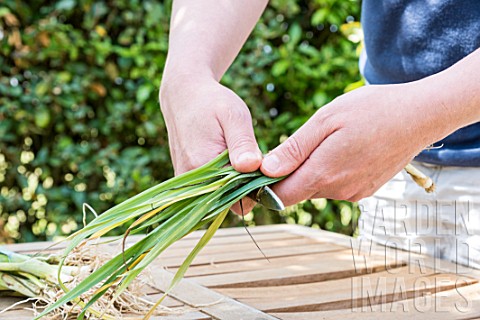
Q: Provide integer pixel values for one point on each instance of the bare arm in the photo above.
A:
(457, 90)
(203, 117)
(206, 35)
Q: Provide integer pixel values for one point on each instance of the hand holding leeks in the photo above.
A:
(355, 144)
(203, 117)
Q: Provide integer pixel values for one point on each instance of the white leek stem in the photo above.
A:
(420, 178)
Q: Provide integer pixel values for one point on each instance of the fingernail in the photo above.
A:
(271, 163)
(247, 157)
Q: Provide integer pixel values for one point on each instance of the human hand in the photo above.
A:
(355, 144)
(203, 119)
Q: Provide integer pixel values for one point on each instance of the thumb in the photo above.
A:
(245, 156)
(289, 155)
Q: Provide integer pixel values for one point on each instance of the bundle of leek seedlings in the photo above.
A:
(167, 212)
(34, 277)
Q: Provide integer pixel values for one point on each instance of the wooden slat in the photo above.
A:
(347, 259)
(167, 302)
(247, 245)
(21, 314)
(229, 232)
(235, 239)
(346, 293)
(194, 315)
(459, 303)
(251, 265)
(204, 259)
(372, 248)
(334, 265)
(31, 246)
(207, 301)
(6, 302)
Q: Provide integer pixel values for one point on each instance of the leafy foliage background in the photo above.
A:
(79, 114)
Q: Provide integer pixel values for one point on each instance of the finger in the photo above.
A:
(292, 190)
(247, 205)
(312, 177)
(236, 122)
(289, 155)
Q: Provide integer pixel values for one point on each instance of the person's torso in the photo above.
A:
(406, 40)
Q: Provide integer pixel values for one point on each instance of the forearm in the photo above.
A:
(206, 35)
(451, 98)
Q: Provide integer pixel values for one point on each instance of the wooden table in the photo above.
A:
(311, 274)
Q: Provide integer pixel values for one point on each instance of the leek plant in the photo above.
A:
(167, 212)
(27, 276)
(34, 277)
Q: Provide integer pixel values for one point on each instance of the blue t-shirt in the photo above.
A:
(406, 40)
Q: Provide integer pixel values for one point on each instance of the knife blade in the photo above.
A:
(267, 198)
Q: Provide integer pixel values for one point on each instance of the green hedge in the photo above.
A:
(79, 114)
